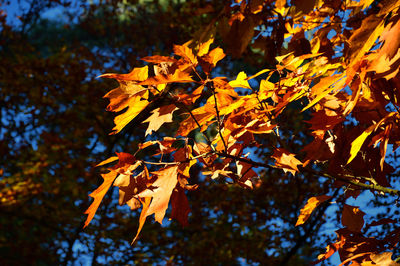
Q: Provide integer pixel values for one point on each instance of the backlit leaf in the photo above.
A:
(310, 206)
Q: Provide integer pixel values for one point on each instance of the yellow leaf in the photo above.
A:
(204, 47)
(241, 81)
(358, 142)
(109, 160)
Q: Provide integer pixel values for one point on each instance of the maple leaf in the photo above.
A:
(210, 60)
(137, 74)
(167, 179)
(160, 116)
(310, 206)
(178, 77)
(286, 160)
(186, 53)
(241, 81)
(383, 259)
(352, 218)
(98, 195)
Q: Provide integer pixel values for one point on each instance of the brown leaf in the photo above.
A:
(310, 206)
(304, 5)
(352, 218)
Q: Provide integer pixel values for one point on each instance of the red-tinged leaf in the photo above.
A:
(160, 116)
(109, 160)
(186, 53)
(143, 215)
(180, 206)
(98, 195)
(156, 59)
(137, 74)
(177, 77)
(286, 160)
(125, 161)
(310, 206)
(246, 174)
(167, 179)
(352, 218)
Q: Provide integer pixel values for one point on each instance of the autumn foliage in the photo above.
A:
(340, 71)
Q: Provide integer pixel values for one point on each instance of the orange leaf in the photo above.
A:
(323, 88)
(352, 218)
(98, 195)
(143, 216)
(135, 106)
(204, 47)
(310, 206)
(286, 160)
(137, 74)
(156, 59)
(177, 77)
(210, 60)
(364, 37)
(167, 179)
(186, 53)
(384, 259)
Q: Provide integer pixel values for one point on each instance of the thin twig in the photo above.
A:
(218, 118)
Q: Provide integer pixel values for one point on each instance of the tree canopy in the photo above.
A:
(266, 131)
